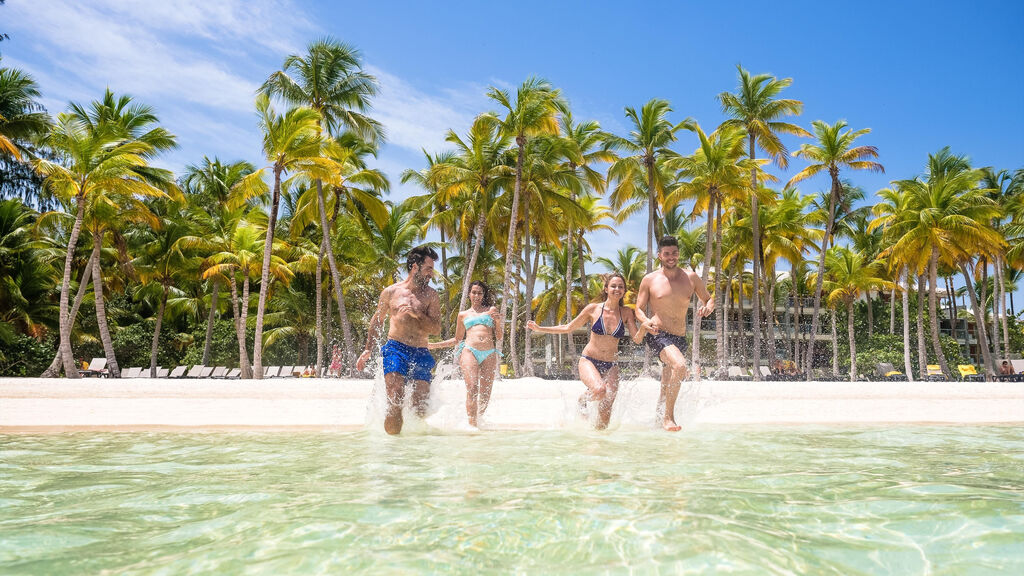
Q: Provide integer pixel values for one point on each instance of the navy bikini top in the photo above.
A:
(598, 327)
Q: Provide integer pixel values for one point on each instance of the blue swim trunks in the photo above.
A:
(409, 361)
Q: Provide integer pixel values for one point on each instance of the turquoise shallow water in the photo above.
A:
(912, 500)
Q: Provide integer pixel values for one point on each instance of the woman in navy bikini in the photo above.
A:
(475, 331)
(610, 322)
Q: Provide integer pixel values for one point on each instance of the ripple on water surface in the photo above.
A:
(944, 500)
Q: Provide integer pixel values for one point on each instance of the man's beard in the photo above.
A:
(421, 281)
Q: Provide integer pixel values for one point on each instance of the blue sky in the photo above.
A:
(921, 75)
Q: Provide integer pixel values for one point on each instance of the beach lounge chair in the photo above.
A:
(766, 373)
(98, 367)
(1018, 370)
(286, 372)
(219, 372)
(935, 373)
(178, 371)
(969, 374)
(206, 371)
(234, 373)
(270, 371)
(889, 372)
(737, 373)
(131, 373)
(194, 371)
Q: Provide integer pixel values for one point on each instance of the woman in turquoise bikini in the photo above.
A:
(475, 332)
(610, 322)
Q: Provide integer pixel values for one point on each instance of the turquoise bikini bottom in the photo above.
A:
(480, 355)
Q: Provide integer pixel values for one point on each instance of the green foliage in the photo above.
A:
(132, 345)
(223, 345)
(26, 356)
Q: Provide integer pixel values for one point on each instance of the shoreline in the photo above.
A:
(293, 404)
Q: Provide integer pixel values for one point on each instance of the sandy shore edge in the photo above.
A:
(56, 405)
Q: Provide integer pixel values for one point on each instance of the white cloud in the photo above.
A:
(415, 119)
(151, 49)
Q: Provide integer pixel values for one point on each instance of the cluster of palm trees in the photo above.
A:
(513, 200)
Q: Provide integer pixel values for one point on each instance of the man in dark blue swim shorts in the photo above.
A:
(661, 305)
(414, 310)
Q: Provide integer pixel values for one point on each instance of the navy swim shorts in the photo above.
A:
(409, 361)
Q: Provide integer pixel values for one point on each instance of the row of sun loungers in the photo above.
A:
(98, 368)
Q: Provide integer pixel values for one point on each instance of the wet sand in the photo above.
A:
(33, 404)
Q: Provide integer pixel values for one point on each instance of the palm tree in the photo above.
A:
(441, 218)
(585, 144)
(628, 262)
(475, 174)
(756, 108)
(21, 117)
(533, 112)
(209, 185)
(160, 262)
(648, 144)
(832, 150)
(94, 159)
(948, 219)
(329, 80)
(894, 202)
(716, 169)
(292, 144)
(108, 210)
(850, 275)
(26, 293)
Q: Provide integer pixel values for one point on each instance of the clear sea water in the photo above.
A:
(905, 500)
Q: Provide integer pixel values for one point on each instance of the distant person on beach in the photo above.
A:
(414, 309)
(667, 291)
(610, 322)
(335, 368)
(1006, 369)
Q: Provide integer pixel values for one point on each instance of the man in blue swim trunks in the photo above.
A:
(415, 313)
(667, 291)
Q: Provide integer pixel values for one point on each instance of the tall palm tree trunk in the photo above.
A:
(922, 352)
(446, 301)
(996, 353)
(531, 279)
(208, 343)
(584, 287)
(320, 310)
(853, 342)
(268, 248)
(906, 327)
(510, 249)
(835, 343)
(833, 197)
(933, 311)
(241, 310)
(1002, 307)
(892, 311)
(155, 347)
(990, 367)
(708, 235)
(514, 325)
(346, 327)
(649, 163)
(53, 370)
(101, 311)
(478, 238)
(722, 285)
(66, 355)
(570, 345)
(755, 225)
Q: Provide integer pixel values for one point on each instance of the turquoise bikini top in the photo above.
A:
(484, 319)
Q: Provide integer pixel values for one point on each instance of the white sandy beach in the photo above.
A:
(32, 404)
